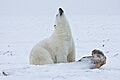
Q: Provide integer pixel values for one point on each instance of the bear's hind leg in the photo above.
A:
(40, 56)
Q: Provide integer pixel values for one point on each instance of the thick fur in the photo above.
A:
(59, 48)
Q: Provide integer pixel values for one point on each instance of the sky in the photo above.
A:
(49, 7)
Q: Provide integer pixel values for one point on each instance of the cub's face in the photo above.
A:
(60, 18)
(98, 55)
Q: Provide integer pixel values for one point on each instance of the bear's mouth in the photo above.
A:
(61, 11)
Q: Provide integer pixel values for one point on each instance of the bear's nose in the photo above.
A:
(61, 11)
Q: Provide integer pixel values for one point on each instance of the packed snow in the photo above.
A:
(18, 35)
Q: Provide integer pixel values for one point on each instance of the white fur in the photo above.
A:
(59, 48)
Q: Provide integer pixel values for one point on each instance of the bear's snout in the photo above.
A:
(61, 11)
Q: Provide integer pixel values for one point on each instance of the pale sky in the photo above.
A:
(49, 7)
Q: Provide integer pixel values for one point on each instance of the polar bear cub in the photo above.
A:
(97, 59)
(59, 48)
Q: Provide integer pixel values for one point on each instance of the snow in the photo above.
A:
(18, 34)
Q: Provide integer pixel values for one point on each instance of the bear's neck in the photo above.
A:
(62, 31)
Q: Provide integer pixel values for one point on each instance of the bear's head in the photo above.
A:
(61, 11)
(61, 20)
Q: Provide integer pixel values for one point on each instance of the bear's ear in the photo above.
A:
(61, 11)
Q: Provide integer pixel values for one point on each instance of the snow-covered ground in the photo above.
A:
(19, 34)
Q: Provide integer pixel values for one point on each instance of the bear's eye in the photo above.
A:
(54, 26)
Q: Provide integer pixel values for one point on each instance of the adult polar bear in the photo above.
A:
(59, 48)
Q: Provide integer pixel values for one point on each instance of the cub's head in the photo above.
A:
(60, 18)
(98, 53)
(98, 57)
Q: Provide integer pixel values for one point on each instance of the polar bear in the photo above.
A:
(59, 48)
